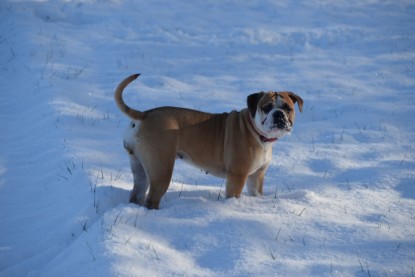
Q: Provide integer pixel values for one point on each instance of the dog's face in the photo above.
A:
(273, 112)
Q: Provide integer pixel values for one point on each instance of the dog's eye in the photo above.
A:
(267, 108)
(286, 107)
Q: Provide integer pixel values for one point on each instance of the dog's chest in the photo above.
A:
(260, 159)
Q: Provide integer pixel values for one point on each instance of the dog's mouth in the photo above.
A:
(274, 127)
(279, 124)
(277, 127)
(278, 130)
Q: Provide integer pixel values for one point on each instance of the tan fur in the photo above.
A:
(225, 145)
(133, 114)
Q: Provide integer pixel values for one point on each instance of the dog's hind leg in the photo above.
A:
(159, 183)
(138, 194)
(159, 169)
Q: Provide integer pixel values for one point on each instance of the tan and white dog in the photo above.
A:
(235, 145)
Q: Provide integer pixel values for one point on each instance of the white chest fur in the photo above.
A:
(261, 159)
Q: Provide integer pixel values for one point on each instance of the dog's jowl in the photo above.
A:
(236, 145)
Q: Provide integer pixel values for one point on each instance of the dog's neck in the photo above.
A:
(258, 132)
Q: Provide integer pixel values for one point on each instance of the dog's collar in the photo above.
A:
(264, 139)
(261, 136)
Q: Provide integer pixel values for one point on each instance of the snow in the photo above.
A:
(339, 194)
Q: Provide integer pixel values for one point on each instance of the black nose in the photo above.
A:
(279, 119)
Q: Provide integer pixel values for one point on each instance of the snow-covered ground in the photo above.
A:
(339, 195)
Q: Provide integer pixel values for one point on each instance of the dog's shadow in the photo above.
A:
(108, 197)
(189, 195)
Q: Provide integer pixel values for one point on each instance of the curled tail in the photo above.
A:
(131, 113)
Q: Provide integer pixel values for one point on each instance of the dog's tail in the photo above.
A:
(131, 113)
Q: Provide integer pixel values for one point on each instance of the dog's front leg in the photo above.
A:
(255, 182)
(234, 184)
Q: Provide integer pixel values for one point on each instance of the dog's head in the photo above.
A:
(273, 112)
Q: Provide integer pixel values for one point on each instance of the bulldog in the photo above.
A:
(236, 145)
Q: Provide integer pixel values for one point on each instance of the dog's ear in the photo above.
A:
(296, 99)
(252, 101)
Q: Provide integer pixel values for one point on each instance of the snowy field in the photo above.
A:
(339, 195)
